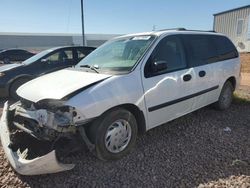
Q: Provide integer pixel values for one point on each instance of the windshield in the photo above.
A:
(36, 57)
(118, 55)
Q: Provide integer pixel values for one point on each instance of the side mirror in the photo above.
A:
(44, 60)
(159, 66)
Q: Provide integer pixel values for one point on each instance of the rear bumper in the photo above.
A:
(41, 165)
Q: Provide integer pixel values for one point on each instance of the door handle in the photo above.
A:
(202, 73)
(187, 77)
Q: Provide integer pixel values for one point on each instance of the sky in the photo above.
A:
(110, 16)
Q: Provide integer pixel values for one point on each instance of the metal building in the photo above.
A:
(40, 41)
(235, 24)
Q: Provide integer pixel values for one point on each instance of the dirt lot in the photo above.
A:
(205, 148)
(245, 79)
(245, 62)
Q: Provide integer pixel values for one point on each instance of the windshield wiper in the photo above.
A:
(94, 68)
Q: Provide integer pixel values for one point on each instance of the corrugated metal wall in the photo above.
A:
(227, 23)
(30, 41)
(10, 41)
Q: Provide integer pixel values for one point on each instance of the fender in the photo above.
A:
(30, 77)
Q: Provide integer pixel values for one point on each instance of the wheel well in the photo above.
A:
(139, 116)
(232, 80)
(14, 80)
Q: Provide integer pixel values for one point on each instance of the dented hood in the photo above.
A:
(58, 84)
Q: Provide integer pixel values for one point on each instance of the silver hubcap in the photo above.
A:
(118, 136)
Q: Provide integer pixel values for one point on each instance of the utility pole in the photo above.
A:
(83, 35)
(154, 28)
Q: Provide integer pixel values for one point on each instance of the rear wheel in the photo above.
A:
(114, 134)
(15, 85)
(226, 97)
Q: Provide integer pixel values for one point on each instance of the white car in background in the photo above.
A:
(127, 86)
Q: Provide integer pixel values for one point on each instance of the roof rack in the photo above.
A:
(178, 29)
(184, 29)
(200, 30)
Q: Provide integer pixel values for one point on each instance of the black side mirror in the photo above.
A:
(159, 66)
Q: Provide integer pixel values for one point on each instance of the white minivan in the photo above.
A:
(127, 86)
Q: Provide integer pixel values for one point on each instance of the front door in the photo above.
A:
(168, 92)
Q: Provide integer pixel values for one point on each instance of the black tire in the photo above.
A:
(15, 85)
(98, 130)
(226, 97)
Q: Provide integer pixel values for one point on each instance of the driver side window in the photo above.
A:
(54, 57)
(170, 51)
(60, 57)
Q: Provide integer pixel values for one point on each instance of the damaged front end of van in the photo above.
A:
(33, 136)
(41, 130)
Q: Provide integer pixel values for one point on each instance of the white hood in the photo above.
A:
(58, 84)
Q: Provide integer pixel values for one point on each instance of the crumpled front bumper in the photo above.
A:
(41, 165)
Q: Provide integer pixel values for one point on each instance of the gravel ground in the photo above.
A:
(206, 148)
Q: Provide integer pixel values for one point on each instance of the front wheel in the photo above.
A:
(226, 97)
(114, 134)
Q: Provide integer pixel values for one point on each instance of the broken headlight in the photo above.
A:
(63, 115)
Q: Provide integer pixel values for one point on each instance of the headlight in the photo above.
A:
(1, 74)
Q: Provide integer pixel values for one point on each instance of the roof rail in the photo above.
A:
(200, 30)
(183, 29)
(178, 29)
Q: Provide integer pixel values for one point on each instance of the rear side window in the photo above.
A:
(205, 49)
(225, 48)
(201, 49)
(81, 53)
(68, 55)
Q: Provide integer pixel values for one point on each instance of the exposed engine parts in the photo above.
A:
(45, 124)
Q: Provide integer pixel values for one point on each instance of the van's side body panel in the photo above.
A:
(112, 92)
(168, 97)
